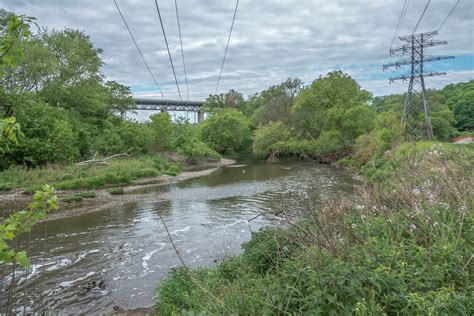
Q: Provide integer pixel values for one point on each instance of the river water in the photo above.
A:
(128, 247)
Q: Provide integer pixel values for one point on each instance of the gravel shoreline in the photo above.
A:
(104, 200)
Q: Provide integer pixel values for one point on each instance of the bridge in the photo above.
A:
(170, 105)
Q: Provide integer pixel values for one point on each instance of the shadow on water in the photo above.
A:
(128, 247)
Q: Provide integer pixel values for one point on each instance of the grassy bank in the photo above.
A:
(405, 246)
(74, 177)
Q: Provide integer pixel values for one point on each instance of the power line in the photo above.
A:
(401, 18)
(227, 46)
(452, 74)
(182, 51)
(168, 48)
(402, 14)
(449, 14)
(138, 48)
(421, 17)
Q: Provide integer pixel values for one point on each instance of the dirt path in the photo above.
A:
(103, 200)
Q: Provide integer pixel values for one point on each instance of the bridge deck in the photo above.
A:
(168, 105)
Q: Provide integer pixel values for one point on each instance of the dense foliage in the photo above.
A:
(404, 247)
(65, 109)
(227, 131)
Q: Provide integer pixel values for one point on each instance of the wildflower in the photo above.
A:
(415, 191)
(435, 224)
(353, 225)
(412, 226)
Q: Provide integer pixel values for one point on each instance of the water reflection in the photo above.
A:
(129, 248)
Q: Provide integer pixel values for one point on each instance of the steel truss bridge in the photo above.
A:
(170, 105)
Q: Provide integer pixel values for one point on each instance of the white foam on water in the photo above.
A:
(69, 283)
(181, 230)
(147, 257)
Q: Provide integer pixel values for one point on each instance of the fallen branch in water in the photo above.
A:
(102, 161)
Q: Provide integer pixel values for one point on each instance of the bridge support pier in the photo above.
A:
(200, 116)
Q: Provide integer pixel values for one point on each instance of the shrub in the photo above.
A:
(116, 191)
(144, 172)
(173, 170)
(72, 198)
(4, 187)
(227, 131)
(87, 194)
(267, 137)
(403, 247)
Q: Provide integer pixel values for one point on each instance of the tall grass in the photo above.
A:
(404, 247)
(73, 177)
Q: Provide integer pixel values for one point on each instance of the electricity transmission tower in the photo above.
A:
(416, 102)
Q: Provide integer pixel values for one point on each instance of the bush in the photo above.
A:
(403, 247)
(72, 198)
(87, 194)
(330, 146)
(4, 187)
(116, 191)
(173, 170)
(266, 138)
(227, 131)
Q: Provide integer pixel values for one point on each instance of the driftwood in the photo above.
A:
(102, 161)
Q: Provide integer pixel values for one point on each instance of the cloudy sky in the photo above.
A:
(272, 40)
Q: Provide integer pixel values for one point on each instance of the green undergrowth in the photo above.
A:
(116, 191)
(75, 177)
(403, 247)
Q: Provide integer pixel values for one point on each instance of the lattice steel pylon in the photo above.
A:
(416, 103)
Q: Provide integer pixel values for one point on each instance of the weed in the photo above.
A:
(116, 191)
(404, 247)
(87, 194)
(71, 198)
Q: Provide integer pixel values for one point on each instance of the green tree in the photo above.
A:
(275, 103)
(186, 142)
(13, 29)
(268, 138)
(464, 111)
(9, 134)
(334, 91)
(121, 99)
(216, 102)
(227, 131)
(162, 127)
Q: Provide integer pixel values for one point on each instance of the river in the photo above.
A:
(128, 247)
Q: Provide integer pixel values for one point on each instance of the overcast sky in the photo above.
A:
(272, 40)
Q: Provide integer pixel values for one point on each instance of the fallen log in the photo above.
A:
(102, 161)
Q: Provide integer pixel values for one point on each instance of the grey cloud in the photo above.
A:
(272, 40)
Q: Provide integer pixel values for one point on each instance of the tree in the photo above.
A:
(275, 103)
(464, 111)
(334, 91)
(162, 127)
(186, 142)
(216, 102)
(9, 134)
(227, 131)
(268, 138)
(13, 29)
(121, 99)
